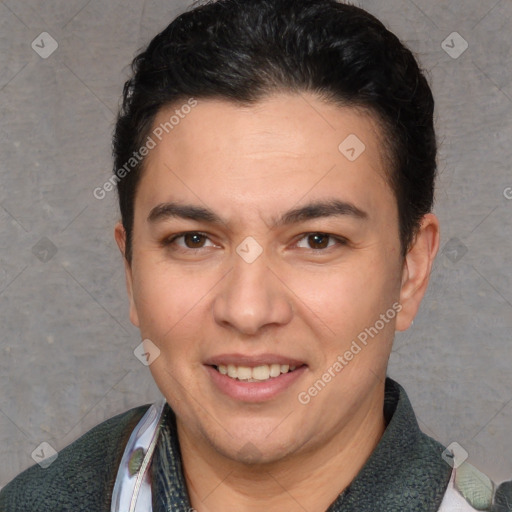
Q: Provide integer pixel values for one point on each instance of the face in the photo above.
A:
(260, 246)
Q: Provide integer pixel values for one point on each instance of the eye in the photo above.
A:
(190, 240)
(320, 241)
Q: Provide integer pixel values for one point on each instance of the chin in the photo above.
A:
(254, 446)
(255, 453)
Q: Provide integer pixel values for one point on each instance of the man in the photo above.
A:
(275, 163)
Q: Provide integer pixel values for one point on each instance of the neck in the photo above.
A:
(296, 483)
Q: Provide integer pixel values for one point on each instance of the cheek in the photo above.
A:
(171, 308)
(346, 299)
(165, 298)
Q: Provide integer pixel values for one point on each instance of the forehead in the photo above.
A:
(282, 147)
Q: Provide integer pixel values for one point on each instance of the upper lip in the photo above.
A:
(251, 361)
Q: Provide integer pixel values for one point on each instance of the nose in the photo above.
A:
(252, 297)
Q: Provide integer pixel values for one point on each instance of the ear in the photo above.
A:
(416, 270)
(120, 236)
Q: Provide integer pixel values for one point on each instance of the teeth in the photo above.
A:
(243, 373)
(275, 370)
(256, 374)
(232, 371)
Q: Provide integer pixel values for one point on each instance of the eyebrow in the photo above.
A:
(313, 210)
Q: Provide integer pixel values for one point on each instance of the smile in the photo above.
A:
(258, 382)
(255, 374)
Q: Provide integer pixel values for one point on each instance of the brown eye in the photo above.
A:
(318, 241)
(194, 240)
(189, 240)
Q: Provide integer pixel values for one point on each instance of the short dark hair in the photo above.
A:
(244, 50)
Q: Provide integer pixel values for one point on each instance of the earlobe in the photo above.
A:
(120, 237)
(416, 270)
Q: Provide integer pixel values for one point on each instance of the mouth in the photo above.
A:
(254, 379)
(260, 373)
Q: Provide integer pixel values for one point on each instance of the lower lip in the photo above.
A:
(254, 391)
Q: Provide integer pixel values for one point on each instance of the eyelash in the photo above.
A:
(171, 240)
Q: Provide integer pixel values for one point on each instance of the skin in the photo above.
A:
(298, 298)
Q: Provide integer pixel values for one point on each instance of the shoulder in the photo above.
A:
(470, 490)
(82, 476)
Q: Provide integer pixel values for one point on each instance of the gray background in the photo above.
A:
(67, 345)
